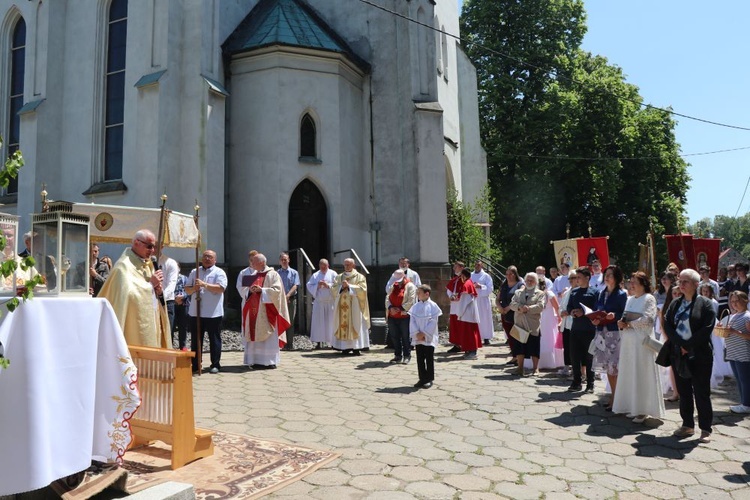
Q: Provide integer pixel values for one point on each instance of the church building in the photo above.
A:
(325, 125)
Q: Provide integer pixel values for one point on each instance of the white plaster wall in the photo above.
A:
(270, 93)
(473, 157)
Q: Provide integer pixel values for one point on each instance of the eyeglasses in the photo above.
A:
(148, 245)
(684, 282)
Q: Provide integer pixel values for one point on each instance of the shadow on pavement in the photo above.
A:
(397, 390)
(375, 364)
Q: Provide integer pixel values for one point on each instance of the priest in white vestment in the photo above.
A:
(351, 315)
(319, 287)
(265, 316)
(484, 286)
(243, 289)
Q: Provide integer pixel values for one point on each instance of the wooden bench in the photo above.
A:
(165, 382)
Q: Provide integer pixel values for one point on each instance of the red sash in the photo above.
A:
(251, 308)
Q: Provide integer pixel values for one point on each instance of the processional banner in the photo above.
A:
(566, 251)
(591, 249)
(680, 250)
(644, 259)
(707, 252)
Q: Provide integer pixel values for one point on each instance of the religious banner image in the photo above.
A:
(591, 249)
(644, 259)
(566, 251)
(680, 250)
(707, 252)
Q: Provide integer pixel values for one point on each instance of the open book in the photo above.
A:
(629, 316)
(597, 315)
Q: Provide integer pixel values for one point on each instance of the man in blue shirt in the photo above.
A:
(290, 279)
(583, 330)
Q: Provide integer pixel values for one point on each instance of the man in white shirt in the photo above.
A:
(171, 269)
(562, 282)
(206, 290)
(403, 264)
(541, 271)
(319, 286)
(705, 272)
(484, 286)
(596, 283)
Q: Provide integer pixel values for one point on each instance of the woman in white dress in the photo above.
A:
(549, 356)
(638, 386)
(721, 367)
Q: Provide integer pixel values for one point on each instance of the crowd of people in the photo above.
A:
(583, 321)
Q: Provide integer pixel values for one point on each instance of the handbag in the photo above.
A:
(519, 334)
(653, 344)
(663, 358)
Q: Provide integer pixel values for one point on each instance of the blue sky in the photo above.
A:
(691, 56)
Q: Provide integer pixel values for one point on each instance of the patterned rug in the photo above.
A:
(242, 467)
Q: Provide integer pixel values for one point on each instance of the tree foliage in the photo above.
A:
(735, 231)
(562, 128)
(466, 239)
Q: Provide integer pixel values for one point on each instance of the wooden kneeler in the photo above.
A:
(165, 382)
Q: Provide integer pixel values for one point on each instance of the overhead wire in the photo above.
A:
(743, 198)
(570, 79)
(604, 158)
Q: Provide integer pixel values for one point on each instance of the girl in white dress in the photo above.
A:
(638, 386)
(721, 367)
(549, 356)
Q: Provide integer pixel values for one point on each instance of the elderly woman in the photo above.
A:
(737, 348)
(528, 304)
(638, 390)
(688, 324)
(612, 301)
(512, 283)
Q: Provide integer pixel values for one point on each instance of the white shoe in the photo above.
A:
(739, 409)
(640, 419)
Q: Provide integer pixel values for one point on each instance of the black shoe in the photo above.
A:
(426, 385)
(453, 349)
(406, 361)
(590, 389)
(574, 388)
(356, 352)
(419, 384)
(395, 361)
(486, 341)
(512, 361)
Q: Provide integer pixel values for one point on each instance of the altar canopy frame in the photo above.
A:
(118, 224)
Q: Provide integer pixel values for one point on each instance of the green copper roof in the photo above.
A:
(286, 22)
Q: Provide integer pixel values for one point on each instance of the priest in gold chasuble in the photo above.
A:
(351, 316)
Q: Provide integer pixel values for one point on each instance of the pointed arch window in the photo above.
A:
(17, 73)
(117, 34)
(308, 147)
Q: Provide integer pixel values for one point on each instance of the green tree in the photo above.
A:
(466, 239)
(561, 127)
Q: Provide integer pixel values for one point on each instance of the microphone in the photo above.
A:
(155, 263)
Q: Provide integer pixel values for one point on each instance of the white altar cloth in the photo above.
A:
(68, 393)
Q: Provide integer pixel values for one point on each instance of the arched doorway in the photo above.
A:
(308, 221)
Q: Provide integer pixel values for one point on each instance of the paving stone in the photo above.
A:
(338, 492)
(412, 473)
(722, 481)
(395, 460)
(630, 473)
(567, 474)
(363, 467)
(459, 446)
(614, 483)
(431, 490)
(390, 495)
(660, 490)
(328, 477)
(466, 482)
(522, 466)
(374, 482)
(545, 482)
(474, 459)
(501, 452)
(702, 492)
(517, 491)
(590, 490)
(584, 465)
(480, 495)
(674, 477)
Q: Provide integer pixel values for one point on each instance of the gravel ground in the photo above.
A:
(231, 340)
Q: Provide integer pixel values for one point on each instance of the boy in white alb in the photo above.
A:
(423, 330)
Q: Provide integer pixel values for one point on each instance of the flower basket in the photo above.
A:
(722, 327)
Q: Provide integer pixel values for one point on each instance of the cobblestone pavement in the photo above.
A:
(479, 433)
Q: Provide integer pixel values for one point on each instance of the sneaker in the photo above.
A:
(705, 437)
(684, 432)
(470, 355)
(590, 389)
(214, 370)
(406, 361)
(739, 409)
(453, 349)
(640, 419)
(575, 388)
(395, 361)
